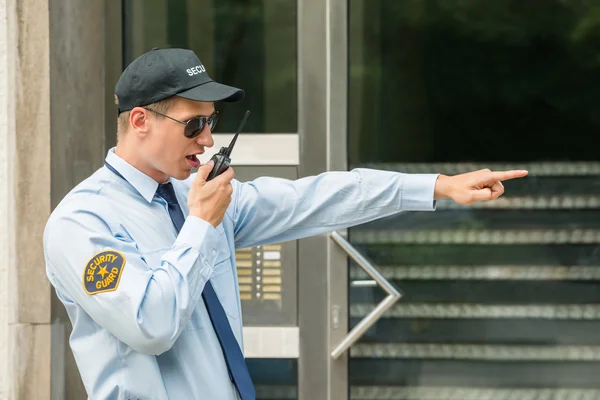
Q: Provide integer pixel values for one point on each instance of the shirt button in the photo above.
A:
(214, 252)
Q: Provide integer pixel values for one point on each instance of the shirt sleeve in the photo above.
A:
(145, 306)
(270, 210)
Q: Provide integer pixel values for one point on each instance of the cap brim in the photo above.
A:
(213, 91)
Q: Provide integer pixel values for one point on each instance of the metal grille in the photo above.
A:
(562, 241)
(440, 393)
(530, 203)
(469, 311)
(475, 236)
(264, 392)
(470, 393)
(483, 272)
(477, 352)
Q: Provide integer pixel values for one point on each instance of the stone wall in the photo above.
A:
(25, 200)
(52, 135)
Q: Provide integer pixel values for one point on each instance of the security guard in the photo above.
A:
(142, 253)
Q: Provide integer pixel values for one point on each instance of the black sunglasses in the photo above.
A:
(194, 126)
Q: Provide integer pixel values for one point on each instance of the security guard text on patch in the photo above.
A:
(103, 272)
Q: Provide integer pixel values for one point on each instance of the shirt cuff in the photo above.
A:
(202, 236)
(418, 192)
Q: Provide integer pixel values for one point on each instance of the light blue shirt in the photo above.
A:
(132, 286)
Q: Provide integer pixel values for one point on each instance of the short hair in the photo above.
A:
(123, 119)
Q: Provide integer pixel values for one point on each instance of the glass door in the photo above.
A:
(250, 44)
(501, 300)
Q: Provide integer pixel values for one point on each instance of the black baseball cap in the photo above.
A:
(162, 73)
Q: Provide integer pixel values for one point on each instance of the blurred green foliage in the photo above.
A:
(472, 80)
(251, 44)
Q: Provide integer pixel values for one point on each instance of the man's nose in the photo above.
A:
(205, 137)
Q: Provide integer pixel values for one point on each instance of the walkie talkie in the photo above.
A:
(221, 159)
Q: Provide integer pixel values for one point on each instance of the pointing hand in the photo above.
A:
(472, 187)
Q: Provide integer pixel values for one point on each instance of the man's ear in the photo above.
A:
(138, 120)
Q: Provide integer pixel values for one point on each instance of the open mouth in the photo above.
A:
(193, 160)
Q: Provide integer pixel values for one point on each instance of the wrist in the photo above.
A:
(443, 187)
(201, 215)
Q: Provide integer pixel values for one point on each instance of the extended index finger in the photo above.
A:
(500, 176)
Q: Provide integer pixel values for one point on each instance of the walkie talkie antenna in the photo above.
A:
(221, 159)
(228, 151)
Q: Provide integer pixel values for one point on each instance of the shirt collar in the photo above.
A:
(145, 185)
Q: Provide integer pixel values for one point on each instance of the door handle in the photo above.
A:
(368, 321)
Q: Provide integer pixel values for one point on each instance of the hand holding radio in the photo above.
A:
(210, 193)
(221, 159)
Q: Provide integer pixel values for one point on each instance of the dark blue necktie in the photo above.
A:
(236, 364)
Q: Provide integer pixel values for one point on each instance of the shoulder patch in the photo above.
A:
(103, 272)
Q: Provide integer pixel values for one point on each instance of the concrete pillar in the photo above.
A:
(25, 200)
(78, 73)
(5, 235)
(53, 99)
(4, 207)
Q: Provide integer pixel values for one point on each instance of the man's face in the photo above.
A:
(166, 148)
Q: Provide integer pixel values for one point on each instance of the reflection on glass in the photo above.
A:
(500, 300)
(274, 379)
(249, 44)
(474, 80)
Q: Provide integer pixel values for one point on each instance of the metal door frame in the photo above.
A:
(322, 264)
